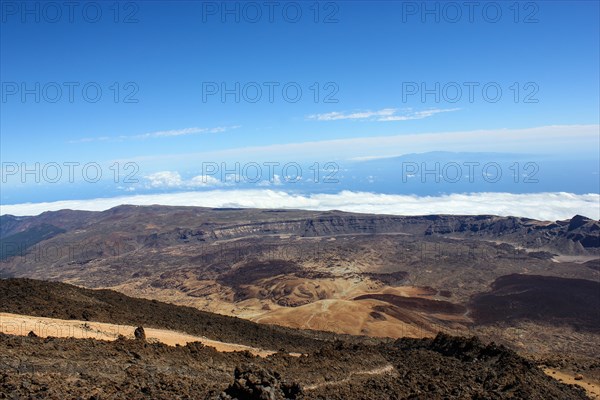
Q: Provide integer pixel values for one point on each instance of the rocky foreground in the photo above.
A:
(329, 367)
(441, 368)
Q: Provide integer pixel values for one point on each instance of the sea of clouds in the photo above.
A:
(542, 206)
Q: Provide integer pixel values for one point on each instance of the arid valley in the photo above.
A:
(529, 285)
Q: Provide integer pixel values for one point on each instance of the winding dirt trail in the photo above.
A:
(592, 388)
(376, 371)
(21, 325)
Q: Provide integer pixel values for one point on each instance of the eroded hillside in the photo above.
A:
(376, 275)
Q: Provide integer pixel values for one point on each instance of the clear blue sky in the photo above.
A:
(368, 53)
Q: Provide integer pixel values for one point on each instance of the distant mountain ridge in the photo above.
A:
(575, 236)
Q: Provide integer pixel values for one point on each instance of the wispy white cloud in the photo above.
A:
(158, 134)
(204, 181)
(383, 115)
(370, 158)
(276, 181)
(417, 114)
(334, 116)
(542, 206)
(87, 140)
(181, 132)
(173, 180)
(164, 179)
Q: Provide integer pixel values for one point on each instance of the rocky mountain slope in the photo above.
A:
(346, 368)
(373, 275)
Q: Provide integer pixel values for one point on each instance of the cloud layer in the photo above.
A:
(542, 206)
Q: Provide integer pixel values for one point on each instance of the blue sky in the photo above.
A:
(154, 63)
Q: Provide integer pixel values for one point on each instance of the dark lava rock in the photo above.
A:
(350, 368)
(256, 383)
(547, 299)
(139, 333)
